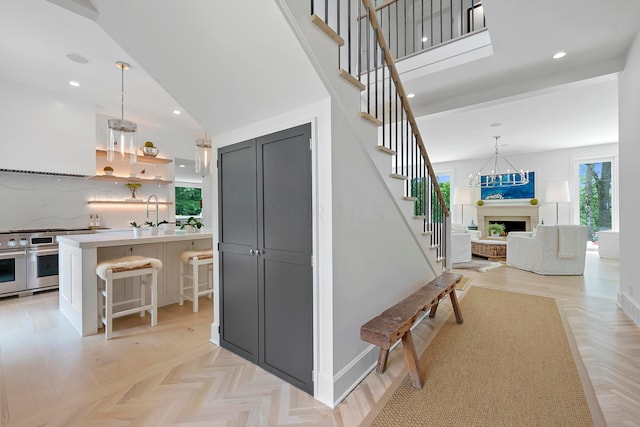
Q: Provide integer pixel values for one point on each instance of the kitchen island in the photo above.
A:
(79, 255)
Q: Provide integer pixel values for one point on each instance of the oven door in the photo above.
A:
(42, 268)
(13, 271)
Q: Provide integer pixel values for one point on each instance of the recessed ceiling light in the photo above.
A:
(74, 84)
(76, 57)
(494, 125)
(182, 166)
(424, 39)
(559, 55)
(176, 112)
(411, 95)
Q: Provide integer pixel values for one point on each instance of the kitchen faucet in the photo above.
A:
(148, 200)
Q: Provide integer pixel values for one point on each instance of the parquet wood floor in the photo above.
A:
(172, 375)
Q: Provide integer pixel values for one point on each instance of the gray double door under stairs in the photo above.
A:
(266, 283)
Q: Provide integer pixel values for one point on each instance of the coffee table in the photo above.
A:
(494, 249)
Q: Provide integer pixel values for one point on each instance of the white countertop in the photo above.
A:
(118, 238)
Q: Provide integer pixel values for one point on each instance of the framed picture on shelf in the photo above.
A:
(502, 190)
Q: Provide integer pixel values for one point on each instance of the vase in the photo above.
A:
(136, 231)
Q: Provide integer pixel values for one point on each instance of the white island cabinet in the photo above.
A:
(79, 255)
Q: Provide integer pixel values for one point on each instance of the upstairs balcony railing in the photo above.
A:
(411, 26)
(366, 56)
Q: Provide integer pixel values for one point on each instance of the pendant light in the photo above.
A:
(203, 155)
(122, 133)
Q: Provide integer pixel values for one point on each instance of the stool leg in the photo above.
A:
(181, 300)
(196, 281)
(143, 295)
(154, 297)
(108, 307)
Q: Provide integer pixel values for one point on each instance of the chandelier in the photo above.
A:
(499, 177)
(122, 133)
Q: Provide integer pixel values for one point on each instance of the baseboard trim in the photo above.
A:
(629, 306)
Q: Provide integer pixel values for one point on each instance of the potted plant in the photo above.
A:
(495, 230)
(191, 225)
(136, 228)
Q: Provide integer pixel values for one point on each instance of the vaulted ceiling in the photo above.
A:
(211, 60)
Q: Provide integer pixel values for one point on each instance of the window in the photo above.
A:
(595, 191)
(188, 201)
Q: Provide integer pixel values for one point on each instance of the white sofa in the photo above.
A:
(551, 249)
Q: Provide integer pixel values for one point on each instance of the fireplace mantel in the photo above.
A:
(507, 212)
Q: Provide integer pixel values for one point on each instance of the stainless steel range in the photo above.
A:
(29, 260)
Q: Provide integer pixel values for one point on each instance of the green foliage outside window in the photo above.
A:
(418, 190)
(595, 197)
(188, 201)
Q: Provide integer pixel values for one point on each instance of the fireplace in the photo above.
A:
(504, 213)
(510, 226)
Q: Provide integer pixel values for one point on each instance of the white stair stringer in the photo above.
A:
(347, 96)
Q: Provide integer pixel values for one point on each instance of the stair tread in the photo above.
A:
(351, 79)
(327, 30)
(386, 150)
(370, 118)
(397, 176)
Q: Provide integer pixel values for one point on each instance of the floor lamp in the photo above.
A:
(462, 196)
(557, 192)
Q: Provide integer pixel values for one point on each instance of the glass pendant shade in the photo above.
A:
(122, 140)
(203, 155)
(122, 133)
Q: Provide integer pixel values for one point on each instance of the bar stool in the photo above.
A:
(195, 259)
(122, 268)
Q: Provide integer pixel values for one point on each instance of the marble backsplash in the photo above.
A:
(40, 201)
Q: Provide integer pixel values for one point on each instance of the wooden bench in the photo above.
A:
(395, 323)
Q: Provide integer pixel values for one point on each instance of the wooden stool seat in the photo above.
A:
(195, 259)
(122, 268)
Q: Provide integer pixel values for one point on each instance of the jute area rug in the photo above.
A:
(509, 364)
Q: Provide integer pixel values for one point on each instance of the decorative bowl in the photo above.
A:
(150, 151)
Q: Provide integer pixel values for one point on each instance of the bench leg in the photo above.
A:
(382, 360)
(432, 312)
(412, 360)
(456, 306)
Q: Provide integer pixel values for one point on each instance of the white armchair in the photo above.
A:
(461, 243)
(552, 249)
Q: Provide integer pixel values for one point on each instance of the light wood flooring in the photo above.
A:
(172, 375)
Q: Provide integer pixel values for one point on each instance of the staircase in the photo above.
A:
(365, 61)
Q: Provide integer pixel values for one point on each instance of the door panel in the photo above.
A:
(288, 331)
(286, 196)
(238, 222)
(239, 314)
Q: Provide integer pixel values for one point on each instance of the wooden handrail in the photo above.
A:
(395, 76)
(382, 6)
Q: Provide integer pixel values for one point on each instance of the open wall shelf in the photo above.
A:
(130, 179)
(141, 158)
(124, 202)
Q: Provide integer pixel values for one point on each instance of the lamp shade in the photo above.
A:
(463, 196)
(557, 192)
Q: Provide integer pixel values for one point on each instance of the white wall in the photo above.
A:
(548, 166)
(629, 106)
